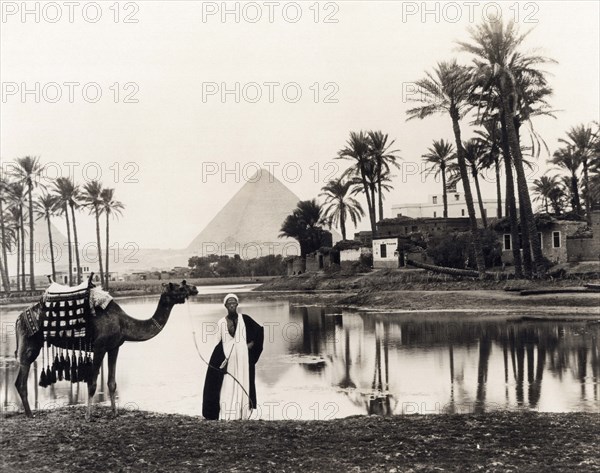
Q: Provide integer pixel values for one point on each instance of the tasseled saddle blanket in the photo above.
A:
(63, 316)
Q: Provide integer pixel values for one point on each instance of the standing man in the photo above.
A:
(229, 387)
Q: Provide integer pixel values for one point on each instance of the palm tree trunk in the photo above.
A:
(586, 195)
(511, 203)
(4, 243)
(18, 236)
(498, 187)
(22, 226)
(528, 226)
(444, 192)
(380, 197)
(343, 222)
(18, 260)
(374, 201)
(69, 245)
(4, 282)
(51, 250)
(76, 244)
(107, 253)
(478, 189)
(31, 251)
(370, 204)
(98, 242)
(575, 198)
(464, 174)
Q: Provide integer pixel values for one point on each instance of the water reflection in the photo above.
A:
(395, 363)
(323, 362)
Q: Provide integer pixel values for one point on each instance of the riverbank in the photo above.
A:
(138, 288)
(397, 290)
(400, 291)
(60, 440)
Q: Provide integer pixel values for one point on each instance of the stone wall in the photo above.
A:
(583, 249)
(586, 249)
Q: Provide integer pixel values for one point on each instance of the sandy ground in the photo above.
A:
(60, 441)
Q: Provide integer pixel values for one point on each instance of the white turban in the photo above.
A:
(231, 296)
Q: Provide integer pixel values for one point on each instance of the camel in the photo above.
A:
(111, 328)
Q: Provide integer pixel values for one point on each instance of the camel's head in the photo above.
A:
(178, 293)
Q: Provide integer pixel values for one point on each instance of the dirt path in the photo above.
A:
(60, 441)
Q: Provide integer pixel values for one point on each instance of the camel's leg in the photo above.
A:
(21, 385)
(28, 349)
(98, 358)
(112, 383)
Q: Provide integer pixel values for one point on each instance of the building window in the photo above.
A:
(462, 212)
(383, 251)
(435, 199)
(507, 245)
(456, 197)
(434, 214)
(555, 239)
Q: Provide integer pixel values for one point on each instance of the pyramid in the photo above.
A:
(249, 224)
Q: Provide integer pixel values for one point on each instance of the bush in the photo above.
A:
(449, 251)
(366, 260)
(456, 250)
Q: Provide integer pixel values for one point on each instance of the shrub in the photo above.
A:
(455, 250)
(366, 260)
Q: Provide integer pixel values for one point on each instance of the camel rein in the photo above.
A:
(212, 366)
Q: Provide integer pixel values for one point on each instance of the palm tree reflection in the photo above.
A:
(526, 351)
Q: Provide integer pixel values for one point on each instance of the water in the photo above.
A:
(323, 363)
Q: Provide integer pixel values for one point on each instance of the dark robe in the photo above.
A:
(214, 376)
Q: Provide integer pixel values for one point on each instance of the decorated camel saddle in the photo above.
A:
(62, 319)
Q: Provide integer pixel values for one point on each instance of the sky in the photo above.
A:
(177, 104)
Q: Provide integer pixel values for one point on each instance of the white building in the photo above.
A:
(457, 207)
(384, 253)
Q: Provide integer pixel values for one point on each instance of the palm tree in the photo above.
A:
(495, 132)
(92, 198)
(304, 224)
(438, 157)
(46, 206)
(28, 171)
(67, 192)
(569, 160)
(339, 205)
(583, 140)
(447, 91)
(489, 140)
(9, 240)
(110, 206)
(384, 159)
(557, 198)
(544, 188)
(497, 58)
(358, 149)
(4, 199)
(474, 152)
(14, 239)
(18, 196)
